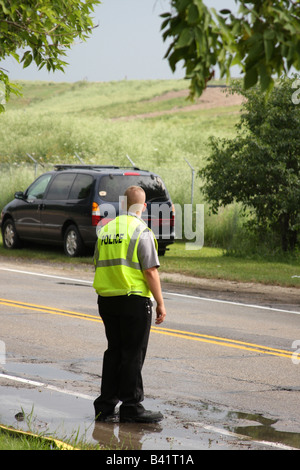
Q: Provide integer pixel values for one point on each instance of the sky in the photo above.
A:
(127, 44)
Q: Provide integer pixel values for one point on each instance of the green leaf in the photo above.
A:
(269, 48)
(4, 8)
(250, 78)
(182, 5)
(193, 14)
(27, 61)
(266, 81)
(185, 38)
(165, 15)
(175, 57)
(164, 24)
(269, 34)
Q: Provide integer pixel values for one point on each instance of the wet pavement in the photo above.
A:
(203, 387)
(66, 414)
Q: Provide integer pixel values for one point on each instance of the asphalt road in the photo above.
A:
(224, 373)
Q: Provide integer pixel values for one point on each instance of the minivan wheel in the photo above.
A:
(9, 234)
(73, 244)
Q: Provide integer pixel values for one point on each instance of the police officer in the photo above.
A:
(126, 276)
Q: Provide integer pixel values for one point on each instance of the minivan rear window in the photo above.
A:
(113, 186)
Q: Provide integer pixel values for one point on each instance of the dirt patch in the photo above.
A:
(212, 97)
(247, 292)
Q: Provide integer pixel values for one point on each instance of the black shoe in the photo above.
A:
(104, 416)
(141, 416)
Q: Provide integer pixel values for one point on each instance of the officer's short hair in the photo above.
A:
(135, 195)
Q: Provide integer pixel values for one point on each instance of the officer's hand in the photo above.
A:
(160, 314)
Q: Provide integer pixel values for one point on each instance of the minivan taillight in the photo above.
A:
(95, 214)
(172, 217)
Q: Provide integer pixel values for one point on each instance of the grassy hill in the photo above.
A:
(151, 121)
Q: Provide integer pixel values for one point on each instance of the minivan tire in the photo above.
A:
(9, 235)
(73, 244)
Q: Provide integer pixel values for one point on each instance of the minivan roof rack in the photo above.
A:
(89, 167)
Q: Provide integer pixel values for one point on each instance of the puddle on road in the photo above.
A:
(263, 430)
(190, 426)
(63, 416)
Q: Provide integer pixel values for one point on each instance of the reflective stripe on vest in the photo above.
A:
(128, 261)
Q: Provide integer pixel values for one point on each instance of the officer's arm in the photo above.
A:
(96, 254)
(153, 281)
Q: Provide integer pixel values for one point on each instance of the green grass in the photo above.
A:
(213, 263)
(14, 439)
(53, 121)
(43, 253)
(15, 442)
(207, 263)
(30, 438)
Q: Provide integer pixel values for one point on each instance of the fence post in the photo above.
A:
(80, 159)
(193, 175)
(36, 164)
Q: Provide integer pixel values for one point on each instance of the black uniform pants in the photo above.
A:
(127, 321)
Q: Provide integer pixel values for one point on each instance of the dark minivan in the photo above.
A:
(65, 207)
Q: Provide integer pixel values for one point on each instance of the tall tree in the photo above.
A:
(260, 168)
(263, 38)
(43, 30)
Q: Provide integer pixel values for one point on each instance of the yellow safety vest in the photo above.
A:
(118, 271)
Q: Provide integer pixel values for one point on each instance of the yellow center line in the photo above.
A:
(230, 343)
(227, 340)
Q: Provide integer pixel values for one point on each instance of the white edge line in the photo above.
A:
(44, 275)
(45, 386)
(273, 309)
(202, 425)
(224, 432)
(236, 303)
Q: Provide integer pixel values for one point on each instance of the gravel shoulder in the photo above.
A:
(246, 292)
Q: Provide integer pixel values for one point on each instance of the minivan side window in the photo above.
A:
(38, 188)
(81, 187)
(60, 187)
